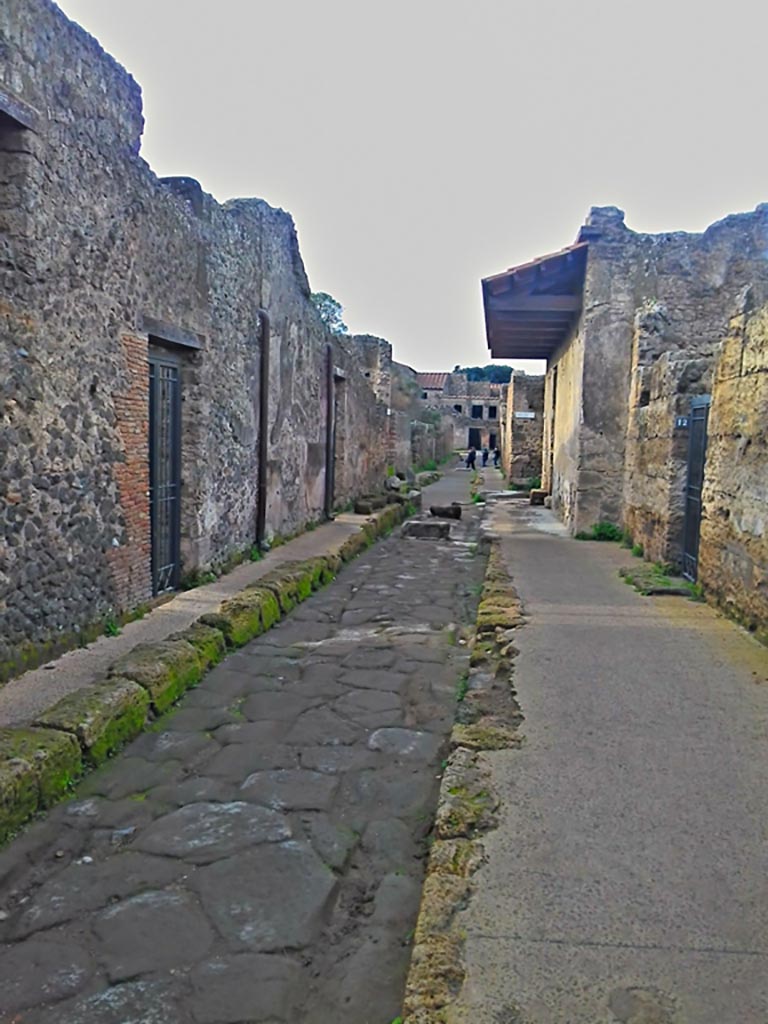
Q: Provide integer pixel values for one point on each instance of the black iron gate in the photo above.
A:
(697, 453)
(164, 469)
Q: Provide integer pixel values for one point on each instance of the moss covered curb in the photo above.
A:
(488, 719)
(39, 765)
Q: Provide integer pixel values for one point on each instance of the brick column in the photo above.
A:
(130, 564)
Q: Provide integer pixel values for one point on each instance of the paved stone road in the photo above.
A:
(258, 857)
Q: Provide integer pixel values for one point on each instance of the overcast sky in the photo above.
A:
(421, 147)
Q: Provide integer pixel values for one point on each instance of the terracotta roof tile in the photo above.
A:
(432, 381)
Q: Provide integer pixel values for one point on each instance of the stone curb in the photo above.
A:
(38, 765)
(488, 719)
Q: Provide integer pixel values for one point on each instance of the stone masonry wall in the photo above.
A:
(691, 283)
(733, 554)
(523, 428)
(91, 244)
(563, 388)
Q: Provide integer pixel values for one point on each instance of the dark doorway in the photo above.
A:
(492, 441)
(164, 469)
(475, 437)
(697, 453)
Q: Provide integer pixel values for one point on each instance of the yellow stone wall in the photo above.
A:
(733, 553)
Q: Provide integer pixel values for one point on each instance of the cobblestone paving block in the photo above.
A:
(130, 776)
(173, 745)
(135, 1002)
(41, 970)
(290, 789)
(81, 887)
(333, 843)
(227, 990)
(277, 705)
(405, 743)
(321, 725)
(206, 832)
(237, 761)
(271, 898)
(153, 931)
(102, 717)
(165, 669)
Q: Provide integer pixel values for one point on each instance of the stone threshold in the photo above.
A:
(40, 762)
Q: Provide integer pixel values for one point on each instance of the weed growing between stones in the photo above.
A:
(111, 626)
(601, 531)
(656, 578)
(461, 687)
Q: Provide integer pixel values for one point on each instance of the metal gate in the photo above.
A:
(697, 453)
(164, 469)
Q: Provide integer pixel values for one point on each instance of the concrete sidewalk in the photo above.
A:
(23, 698)
(626, 881)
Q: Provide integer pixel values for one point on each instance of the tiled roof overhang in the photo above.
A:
(530, 309)
(432, 381)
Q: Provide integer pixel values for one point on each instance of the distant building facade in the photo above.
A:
(477, 407)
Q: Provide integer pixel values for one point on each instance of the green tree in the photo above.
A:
(330, 312)
(493, 372)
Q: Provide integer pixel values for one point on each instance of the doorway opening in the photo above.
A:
(165, 469)
(697, 453)
(475, 438)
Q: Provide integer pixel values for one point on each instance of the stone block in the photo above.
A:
(537, 496)
(165, 669)
(353, 545)
(52, 758)
(427, 530)
(244, 616)
(452, 511)
(290, 583)
(102, 717)
(18, 794)
(208, 641)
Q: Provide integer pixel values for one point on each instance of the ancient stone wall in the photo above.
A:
(645, 295)
(523, 428)
(561, 439)
(98, 261)
(733, 553)
(662, 385)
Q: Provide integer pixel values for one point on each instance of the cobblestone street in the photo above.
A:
(258, 856)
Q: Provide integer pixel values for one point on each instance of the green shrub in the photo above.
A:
(606, 531)
(600, 531)
(637, 550)
(533, 483)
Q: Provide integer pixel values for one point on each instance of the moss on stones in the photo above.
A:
(102, 718)
(165, 669)
(208, 641)
(54, 758)
(19, 794)
(485, 735)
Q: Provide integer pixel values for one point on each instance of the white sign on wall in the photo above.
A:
(525, 415)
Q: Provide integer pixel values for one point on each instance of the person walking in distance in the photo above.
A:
(485, 456)
(471, 457)
(496, 457)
